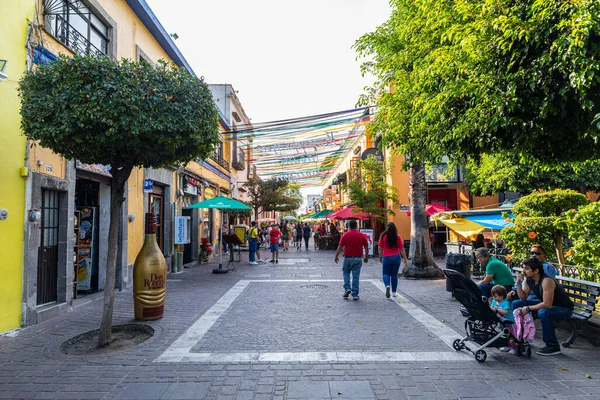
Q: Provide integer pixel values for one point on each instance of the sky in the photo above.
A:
(285, 59)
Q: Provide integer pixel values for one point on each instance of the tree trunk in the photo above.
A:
(117, 198)
(420, 257)
(559, 251)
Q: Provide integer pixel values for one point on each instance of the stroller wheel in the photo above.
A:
(480, 355)
(528, 351)
(456, 345)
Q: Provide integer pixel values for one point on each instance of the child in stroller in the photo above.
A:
(483, 326)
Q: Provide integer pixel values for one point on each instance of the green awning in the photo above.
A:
(221, 203)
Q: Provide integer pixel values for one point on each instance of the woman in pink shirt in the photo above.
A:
(390, 248)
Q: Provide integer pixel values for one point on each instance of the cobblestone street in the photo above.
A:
(283, 331)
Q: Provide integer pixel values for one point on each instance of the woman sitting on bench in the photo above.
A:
(555, 303)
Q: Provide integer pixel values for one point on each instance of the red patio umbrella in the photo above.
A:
(433, 208)
(347, 213)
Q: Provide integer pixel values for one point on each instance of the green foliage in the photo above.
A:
(504, 172)
(121, 113)
(584, 230)
(535, 221)
(528, 231)
(371, 189)
(543, 203)
(467, 78)
(273, 195)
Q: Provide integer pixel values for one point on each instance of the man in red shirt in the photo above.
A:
(352, 244)
(274, 239)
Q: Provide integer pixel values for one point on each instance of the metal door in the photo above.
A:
(48, 251)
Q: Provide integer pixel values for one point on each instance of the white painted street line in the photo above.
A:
(181, 349)
(445, 333)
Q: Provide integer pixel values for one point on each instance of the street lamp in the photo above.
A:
(2, 68)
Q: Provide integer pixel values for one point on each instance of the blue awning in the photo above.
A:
(490, 221)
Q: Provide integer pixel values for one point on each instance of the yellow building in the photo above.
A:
(14, 16)
(66, 248)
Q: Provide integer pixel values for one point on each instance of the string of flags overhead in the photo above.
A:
(304, 150)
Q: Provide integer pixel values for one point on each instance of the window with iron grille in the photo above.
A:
(73, 24)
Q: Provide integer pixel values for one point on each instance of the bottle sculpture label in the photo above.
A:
(149, 276)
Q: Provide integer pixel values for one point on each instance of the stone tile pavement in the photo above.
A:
(283, 331)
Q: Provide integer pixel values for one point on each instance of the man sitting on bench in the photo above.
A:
(537, 251)
(555, 303)
(496, 272)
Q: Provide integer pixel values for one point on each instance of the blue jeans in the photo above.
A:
(352, 265)
(252, 246)
(390, 266)
(546, 317)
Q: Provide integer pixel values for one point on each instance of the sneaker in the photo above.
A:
(513, 352)
(355, 298)
(271, 261)
(276, 261)
(387, 292)
(347, 293)
(261, 261)
(548, 351)
(394, 294)
(253, 263)
(505, 349)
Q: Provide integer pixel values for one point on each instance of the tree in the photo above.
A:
(273, 195)
(121, 113)
(504, 172)
(460, 79)
(535, 221)
(370, 189)
(469, 78)
(584, 231)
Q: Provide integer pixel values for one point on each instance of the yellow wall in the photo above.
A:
(399, 179)
(135, 206)
(13, 31)
(480, 202)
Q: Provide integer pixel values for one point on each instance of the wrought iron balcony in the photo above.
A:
(61, 30)
(239, 162)
(220, 160)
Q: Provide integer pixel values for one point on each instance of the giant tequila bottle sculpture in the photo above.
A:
(149, 276)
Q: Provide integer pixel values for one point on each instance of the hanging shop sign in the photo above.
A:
(148, 185)
(372, 151)
(95, 168)
(191, 185)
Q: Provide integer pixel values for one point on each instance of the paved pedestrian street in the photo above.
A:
(283, 331)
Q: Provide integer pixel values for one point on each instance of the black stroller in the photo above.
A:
(482, 326)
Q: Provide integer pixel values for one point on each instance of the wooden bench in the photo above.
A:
(584, 295)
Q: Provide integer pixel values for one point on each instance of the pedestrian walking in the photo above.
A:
(306, 234)
(225, 231)
(390, 247)
(274, 237)
(298, 236)
(285, 234)
(252, 243)
(352, 244)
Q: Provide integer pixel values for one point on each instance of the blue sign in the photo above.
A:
(148, 185)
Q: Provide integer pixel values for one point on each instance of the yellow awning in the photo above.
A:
(463, 227)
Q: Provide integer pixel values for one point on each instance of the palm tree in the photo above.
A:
(420, 256)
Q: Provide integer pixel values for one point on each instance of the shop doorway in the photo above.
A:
(47, 272)
(86, 242)
(155, 205)
(187, 248)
